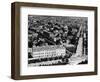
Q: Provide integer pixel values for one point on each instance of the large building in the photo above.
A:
(51, 55)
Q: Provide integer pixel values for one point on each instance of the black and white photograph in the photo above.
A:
(53, 40)
(57, 40)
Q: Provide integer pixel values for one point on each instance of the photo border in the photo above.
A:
(15, 40)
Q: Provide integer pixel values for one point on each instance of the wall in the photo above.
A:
(5, 40)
